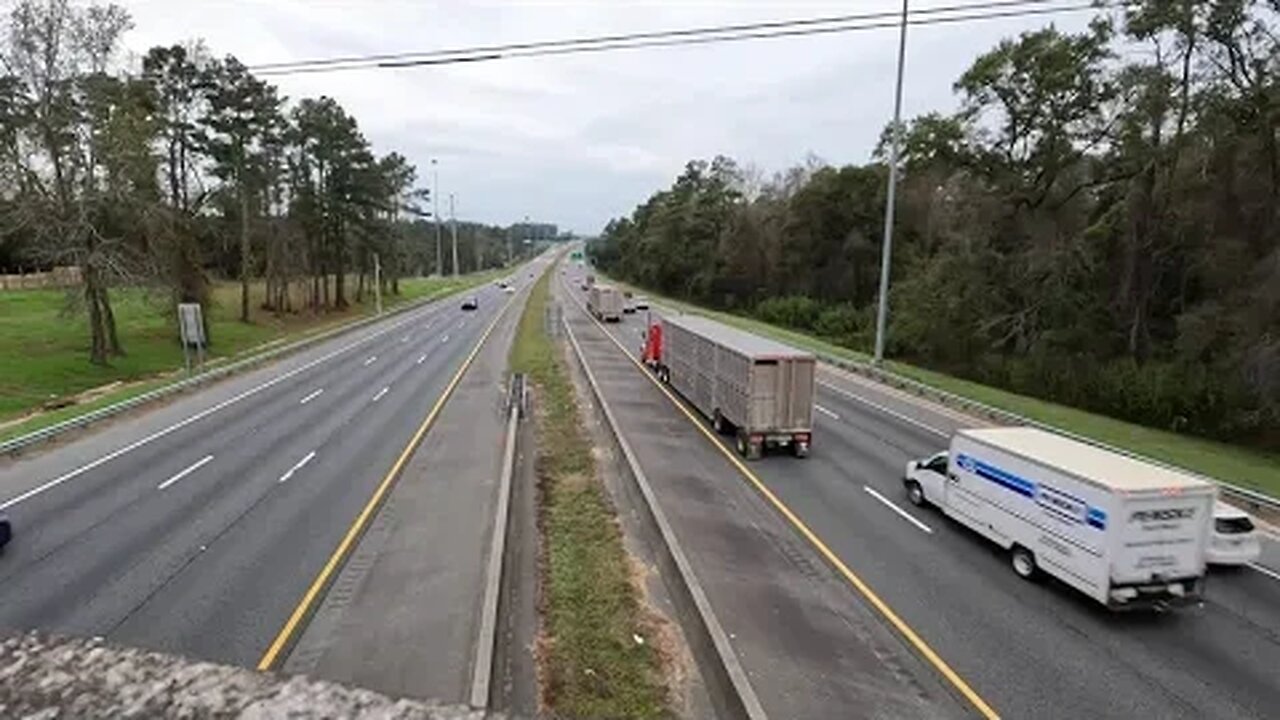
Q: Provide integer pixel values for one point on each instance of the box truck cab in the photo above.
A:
(1126, 532)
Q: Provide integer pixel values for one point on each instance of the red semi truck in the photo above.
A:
(758, 389)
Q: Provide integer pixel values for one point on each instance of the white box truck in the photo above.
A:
(605, 302)
(759, 389)
(1125, 532)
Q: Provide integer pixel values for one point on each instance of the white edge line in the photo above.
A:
(55, 482)
(424, 357)
(894, 507)
(369, 362)
(885, 410)
(190, 469)
(1265, 571)
(381, 392)
(311, 397)
(825, 411)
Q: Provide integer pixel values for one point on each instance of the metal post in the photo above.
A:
(453, 230)
(435, 215)
(882, 312)
(377, 284)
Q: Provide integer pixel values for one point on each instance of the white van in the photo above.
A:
(1125, 532)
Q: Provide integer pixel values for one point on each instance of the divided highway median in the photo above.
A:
(596, 656)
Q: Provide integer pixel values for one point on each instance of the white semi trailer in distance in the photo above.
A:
(605, 302)
(1125, 532)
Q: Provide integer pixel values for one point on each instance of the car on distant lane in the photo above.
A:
(1235, 538)
(509, 289)
(471, 303)
(640, 302)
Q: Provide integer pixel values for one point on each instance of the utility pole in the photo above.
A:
(882, 312)
(435, 215)
(453, 230)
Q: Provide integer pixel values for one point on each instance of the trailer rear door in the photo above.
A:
(781, 394)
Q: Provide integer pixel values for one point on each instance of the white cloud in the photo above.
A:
(577, 139)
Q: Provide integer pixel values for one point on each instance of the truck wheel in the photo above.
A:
(755, 450)
(801, 450)
(717, 422)
(1024, 562)
(915, 493)
(743, 449)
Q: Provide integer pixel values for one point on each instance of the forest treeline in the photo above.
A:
(185, 167)
(1097, 225)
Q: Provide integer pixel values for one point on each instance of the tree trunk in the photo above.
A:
(109, 322)
(244, 255)
(97, 338)
(340, 275)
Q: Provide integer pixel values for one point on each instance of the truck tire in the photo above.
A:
(717, 422)
(1023, 562)
(801, 450)
(915, 493)
(755, 450)
(743, 449)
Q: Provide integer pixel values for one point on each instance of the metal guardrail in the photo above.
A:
(1006, 417)
(22, 442)
(1253, 498)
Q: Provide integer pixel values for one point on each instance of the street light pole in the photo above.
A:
(435, 215)
(453, 230)
(882, 312)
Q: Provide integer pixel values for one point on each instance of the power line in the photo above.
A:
(668, 38)
(776, 24)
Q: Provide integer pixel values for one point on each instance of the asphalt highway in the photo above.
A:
(1033, 650)
(197, 527)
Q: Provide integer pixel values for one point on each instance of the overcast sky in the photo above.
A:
(576, 140)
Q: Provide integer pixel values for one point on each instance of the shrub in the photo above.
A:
(794, 311)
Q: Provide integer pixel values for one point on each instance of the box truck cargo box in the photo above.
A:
(1126, 532)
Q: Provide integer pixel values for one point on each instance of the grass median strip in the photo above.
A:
(590, 661)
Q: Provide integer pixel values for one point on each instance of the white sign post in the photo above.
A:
(191, 326)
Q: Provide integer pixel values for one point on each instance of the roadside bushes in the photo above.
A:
(797, 312)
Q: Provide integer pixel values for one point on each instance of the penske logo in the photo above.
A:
(1146, 516)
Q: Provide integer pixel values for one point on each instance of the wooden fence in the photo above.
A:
(59, 277)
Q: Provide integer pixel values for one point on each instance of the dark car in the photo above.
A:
(470, 303)
(6, 530)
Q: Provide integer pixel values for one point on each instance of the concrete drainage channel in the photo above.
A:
(496, 657)
(726, 681)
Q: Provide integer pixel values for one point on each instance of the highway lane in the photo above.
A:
(810, 648)
(1032, 650)
(202, 540)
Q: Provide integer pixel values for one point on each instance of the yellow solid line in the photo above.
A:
(285, 636)
(862, 587)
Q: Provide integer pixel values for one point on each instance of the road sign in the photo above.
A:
(191, 324)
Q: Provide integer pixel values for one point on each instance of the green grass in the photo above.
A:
(1230, 463)
(592, 666)
(45, 348)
